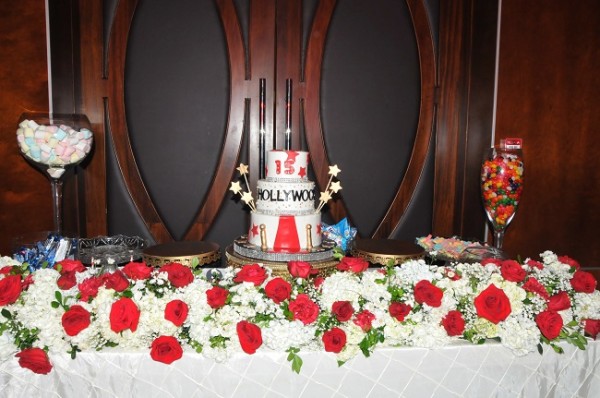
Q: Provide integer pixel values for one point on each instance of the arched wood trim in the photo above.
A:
(311, 104)
(234, 128)
(418, 156)
(118, 124)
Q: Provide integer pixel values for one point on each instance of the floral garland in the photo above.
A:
(353, 310)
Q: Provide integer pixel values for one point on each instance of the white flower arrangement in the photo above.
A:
(348, 312)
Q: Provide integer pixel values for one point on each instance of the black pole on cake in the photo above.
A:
(262, 89)
(288, 114)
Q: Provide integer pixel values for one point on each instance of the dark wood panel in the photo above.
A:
(548, 89)
(464, 117)
(25, 200)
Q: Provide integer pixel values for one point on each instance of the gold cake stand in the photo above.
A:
(381, 251)
(324, 267)
(182, 252)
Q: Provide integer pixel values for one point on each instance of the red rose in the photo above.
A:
(176, 311)
(426, 292)
(583, 282)
(26, 282)
(342, 310)
(534, 264)
(137, 271)
(75, 319)
(66, 281)
(353, 264)
(569, 261)
(166, 349)
(495, 261)
(334, 340)
(68, 265)
(318, 281)
(250, 336)
(304, 309)
(534, 286)
(216, 297)
(592, 327)
(10, 289)
(252, 273)
(399, 310)
(124, 314)
(7, 269)
(364, 319)
(454, 323)
(493, 304)
(178, 274)
(89, 287)
(558, 302)
(278, 290)
(116, 281)
(35, 359)
(300, 269)
(512, 271)
(550, 324)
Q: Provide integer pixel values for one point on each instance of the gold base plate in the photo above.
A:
(182, 252)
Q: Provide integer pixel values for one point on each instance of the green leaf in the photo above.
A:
(55, 304)
(6, 313)
(540, 348)
(127, 293)
(58, 296)
(341, 363)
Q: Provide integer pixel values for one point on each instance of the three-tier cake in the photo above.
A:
(285, 223)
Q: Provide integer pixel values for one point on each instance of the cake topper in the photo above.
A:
(331, 187)
(236, 187)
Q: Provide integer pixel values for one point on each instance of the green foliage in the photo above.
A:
(295, 359)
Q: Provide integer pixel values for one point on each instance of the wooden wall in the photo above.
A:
(25, 201)
(548, 93)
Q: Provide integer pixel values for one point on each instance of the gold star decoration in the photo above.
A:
(247, 198)
(235, 187)
(243, 169)
(334, 170)
(325, 196)
(335, 186)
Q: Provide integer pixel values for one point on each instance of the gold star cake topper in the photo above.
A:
(236, 188)
(334, 187)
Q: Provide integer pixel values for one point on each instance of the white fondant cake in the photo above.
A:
(285, 212)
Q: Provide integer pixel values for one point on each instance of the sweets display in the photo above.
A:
(285, 222)
(55, 146)
(502, 185)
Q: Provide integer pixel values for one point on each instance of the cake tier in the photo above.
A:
(292, 197)
(286, 165)
(285, 233)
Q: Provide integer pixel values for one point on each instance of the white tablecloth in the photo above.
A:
(462, 370)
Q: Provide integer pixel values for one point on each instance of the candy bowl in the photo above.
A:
(501, 187)
(110, 251)
(53, 143)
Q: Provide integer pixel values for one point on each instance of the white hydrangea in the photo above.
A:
(341, 286)
(282, 334)
(520, 334)
(412, 272)
(587, 305)
(38, 313)
(8, 261)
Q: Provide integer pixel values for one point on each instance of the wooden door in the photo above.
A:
(172, 91)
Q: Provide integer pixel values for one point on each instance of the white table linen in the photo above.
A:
(459, 370)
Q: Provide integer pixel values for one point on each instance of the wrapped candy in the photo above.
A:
(341, 233)
(45, 253)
